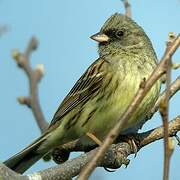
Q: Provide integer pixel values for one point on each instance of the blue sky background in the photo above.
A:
(63, 29)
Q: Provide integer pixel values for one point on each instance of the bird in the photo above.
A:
(102, 94)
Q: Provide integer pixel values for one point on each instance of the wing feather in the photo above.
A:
(82, 91)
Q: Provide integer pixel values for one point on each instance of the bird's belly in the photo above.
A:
(110, 109)
(110, 112)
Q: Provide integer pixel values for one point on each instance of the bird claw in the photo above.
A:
(133, 143)
(134, 147)
(109, 170)
(59, 155)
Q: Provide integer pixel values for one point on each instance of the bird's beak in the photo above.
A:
(100, 37)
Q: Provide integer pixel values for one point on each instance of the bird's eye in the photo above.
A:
(119, 34)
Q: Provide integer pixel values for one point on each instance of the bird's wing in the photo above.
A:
(83, 90)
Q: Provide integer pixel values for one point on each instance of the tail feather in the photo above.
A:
(26, 158)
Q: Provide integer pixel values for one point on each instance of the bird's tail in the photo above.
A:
(26, 158)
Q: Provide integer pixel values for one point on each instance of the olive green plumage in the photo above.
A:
(103, 92)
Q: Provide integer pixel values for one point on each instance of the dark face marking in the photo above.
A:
(115, 34)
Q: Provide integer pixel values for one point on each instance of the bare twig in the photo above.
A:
(127, 7)
(158, 133)
(164, 110)
(144, 88)
(8, 174)
(34, 77)
(174, 87)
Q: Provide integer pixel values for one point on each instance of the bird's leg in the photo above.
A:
(94, 138)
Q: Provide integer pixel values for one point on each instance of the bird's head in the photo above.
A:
(119, 32)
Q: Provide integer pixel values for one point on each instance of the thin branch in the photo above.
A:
(144, 88)
(8, 174)
(127, 7)
(148, 137)
(174, 88)
(164, 110)
(34, 76)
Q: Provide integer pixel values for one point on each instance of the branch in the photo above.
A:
(114, 158)
(157, 133)
(8, 174)
(174, 88)
(164, 111)
(127, 7)
(34, 76)
(144, 88)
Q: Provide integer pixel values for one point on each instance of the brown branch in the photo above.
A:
(144, 88)
(127, 7)
(158, 133)
(164, 111)
(114, 158)
(8, 174)
(34, 76)
(174, 87)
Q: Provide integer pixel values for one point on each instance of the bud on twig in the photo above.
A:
(39, 70)
(15, 54)
(34, 43)
(18, 57)
(171, 38)
(171, 145)
(24, 101)
(175, 66)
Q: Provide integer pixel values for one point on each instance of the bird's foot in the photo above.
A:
(60, 155)
(132, 141)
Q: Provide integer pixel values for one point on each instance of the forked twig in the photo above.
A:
(164, 110)
(34, 76)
